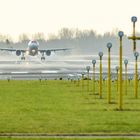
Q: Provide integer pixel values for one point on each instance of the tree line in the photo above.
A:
(83, 41)
(63, 34)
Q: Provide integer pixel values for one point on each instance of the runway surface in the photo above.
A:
(54, 66)
(72, 136)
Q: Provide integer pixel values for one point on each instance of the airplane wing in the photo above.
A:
(43, 51)
(7, 49)
(52, 50)
(11, 49)
(40, 50)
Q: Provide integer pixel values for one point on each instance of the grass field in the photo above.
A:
(69, 139)
(61, 107)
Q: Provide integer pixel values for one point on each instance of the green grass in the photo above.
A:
(69, 139)
(61, 107)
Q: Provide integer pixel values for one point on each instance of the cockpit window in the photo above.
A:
(34, 42)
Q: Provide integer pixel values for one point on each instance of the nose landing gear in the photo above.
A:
(42, 57)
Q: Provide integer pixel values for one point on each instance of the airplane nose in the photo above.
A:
(33, 51)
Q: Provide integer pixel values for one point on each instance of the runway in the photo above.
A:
(54, 67)
(72, 136)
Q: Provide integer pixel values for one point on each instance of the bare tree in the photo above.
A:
(52, 37)
(3, 38)
(23, 37)
(66, 33)
(39, 36)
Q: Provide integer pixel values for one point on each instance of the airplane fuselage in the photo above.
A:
(33, 48)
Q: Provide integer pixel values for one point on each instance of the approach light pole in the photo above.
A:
(120, 34)
(100, 81)
(126, 76)
(83, 81)
(117, 72)
(109, 45)
(93, 76)
(88, 68)
(136, 54)
(134, 37)
(78, 82)
(134, 20)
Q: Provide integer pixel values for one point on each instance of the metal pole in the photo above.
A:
(136, 54)
(136, 80)
(117, 70)
(100, 78)
(109, 45)
(134, 20)
(126, 77)
(120, 74)
(82, 82)
(78, 78)
(117, 80)
(134, 40)
(88, 68)
(100, 82)
(134, 37)
(93, 76)
(93, 79)
(87, 81)
(109, 80)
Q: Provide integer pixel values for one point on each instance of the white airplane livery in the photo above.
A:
(32, 50)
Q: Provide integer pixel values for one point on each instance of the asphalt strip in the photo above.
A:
(84, 136)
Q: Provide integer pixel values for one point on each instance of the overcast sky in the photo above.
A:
(49, 16)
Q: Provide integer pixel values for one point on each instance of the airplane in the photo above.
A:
(32, 50)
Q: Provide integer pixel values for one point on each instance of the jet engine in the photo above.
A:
(18, 52)
(48, 52)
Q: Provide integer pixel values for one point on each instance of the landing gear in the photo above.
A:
(43, 57)
(23, 57)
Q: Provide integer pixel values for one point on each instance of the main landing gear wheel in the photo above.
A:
(23, 58)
